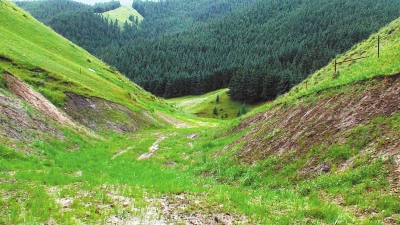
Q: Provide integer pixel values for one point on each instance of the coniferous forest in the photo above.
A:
(259, 49)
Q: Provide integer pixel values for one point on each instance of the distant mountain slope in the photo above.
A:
(46, 10)
(82, 24)
(165, 17)
(259, 49)
(124, 14)
(63, 72)
(259, 52)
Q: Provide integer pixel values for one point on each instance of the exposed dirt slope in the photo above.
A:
(325, 119)
(40, 103)
(37, 100)
(21, 124)
(100, 114)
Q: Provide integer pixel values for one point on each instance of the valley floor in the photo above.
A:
(175, 176)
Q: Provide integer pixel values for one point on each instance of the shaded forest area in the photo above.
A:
(259, 49)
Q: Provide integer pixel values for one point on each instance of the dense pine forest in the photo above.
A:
(259, 49)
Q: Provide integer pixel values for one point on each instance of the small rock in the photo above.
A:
(171, 163)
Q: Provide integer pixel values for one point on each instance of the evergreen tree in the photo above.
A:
(243, 110)
(215, 111)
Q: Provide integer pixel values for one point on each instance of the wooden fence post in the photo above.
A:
(378, 45)
(335, 65)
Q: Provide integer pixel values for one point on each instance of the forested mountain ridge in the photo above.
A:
(46, 10)
(165, 17)
(259, 50)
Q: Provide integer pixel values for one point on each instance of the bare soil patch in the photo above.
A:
(190, 209)
(18, 123)
(153, 148)
(37, 100)
(37, 123)
(101, 115)
(328, 119)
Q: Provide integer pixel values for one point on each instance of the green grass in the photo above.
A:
(366, 68)
(122, 14)
(203, 105)
(105, 177)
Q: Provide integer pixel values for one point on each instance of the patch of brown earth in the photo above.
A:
(327, 120)
(20, 123)
(191, 210)
(21, 127)
(100, 114)
(323, 120)
(37, 100)
(153, 148)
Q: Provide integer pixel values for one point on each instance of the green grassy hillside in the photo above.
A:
(203, 105)
(55, 66)
(122, 14)
(366, 66)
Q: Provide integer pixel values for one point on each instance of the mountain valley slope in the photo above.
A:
(325, 153)
(54, 66)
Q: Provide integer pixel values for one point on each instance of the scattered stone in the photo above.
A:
(78, 173)
(64, 202)
(170, 163)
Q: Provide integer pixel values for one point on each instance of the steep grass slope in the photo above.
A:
(366, 65)
(54, 67)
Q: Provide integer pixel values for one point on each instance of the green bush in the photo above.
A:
(57, 98)
(338, 153)
(7, 153)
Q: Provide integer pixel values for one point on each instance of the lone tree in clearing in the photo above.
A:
(215, 111)
(244, 110)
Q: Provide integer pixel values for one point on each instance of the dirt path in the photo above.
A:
(153, 148)
(122, 152)
(173, 121)
(191, 102)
